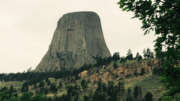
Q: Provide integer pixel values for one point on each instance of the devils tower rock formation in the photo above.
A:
(77, 39)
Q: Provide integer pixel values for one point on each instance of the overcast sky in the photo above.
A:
(27, 27)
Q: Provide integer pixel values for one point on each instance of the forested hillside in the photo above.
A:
(110, 79)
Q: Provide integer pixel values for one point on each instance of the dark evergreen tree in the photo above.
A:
(138, 57)
(61, 85)
(115, 65)
(53, 88)
(112, 91)
(79, 97)
(123, 59)
(148, 97)
(129, 95)
(101, 92)
(84, 84)
(138, 93)
(120, 94)
(26, 97)
(148, 54)
(25, 87)
(142, 71)
(38, 98)
(116, 56)
(129, 55)
(73, 93)
(41, 84)
(11, 90)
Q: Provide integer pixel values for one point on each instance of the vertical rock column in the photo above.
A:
(77, 39)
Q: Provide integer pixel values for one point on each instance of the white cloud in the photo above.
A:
(27, 27)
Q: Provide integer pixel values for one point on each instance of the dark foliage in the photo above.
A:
(162, 17)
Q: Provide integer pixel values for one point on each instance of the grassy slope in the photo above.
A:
(148, 82)
(8, 84)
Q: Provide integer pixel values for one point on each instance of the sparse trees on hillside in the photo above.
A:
(104, 92)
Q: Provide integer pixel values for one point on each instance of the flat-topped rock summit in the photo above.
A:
(77, 39)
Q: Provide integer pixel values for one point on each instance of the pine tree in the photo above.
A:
(129, 55)
(138, 57)
(138, 93)
(120, 92)
(116, 56)
(129, 95)
(148, 54)
(115, 65)
(84, 84)
(148, 97)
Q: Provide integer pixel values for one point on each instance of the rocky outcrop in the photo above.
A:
(77, 39)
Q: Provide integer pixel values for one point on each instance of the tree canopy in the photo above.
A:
(162, 17)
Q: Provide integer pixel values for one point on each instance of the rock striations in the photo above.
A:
(77, 39)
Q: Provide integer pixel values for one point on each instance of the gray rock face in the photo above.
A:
(77, 39)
